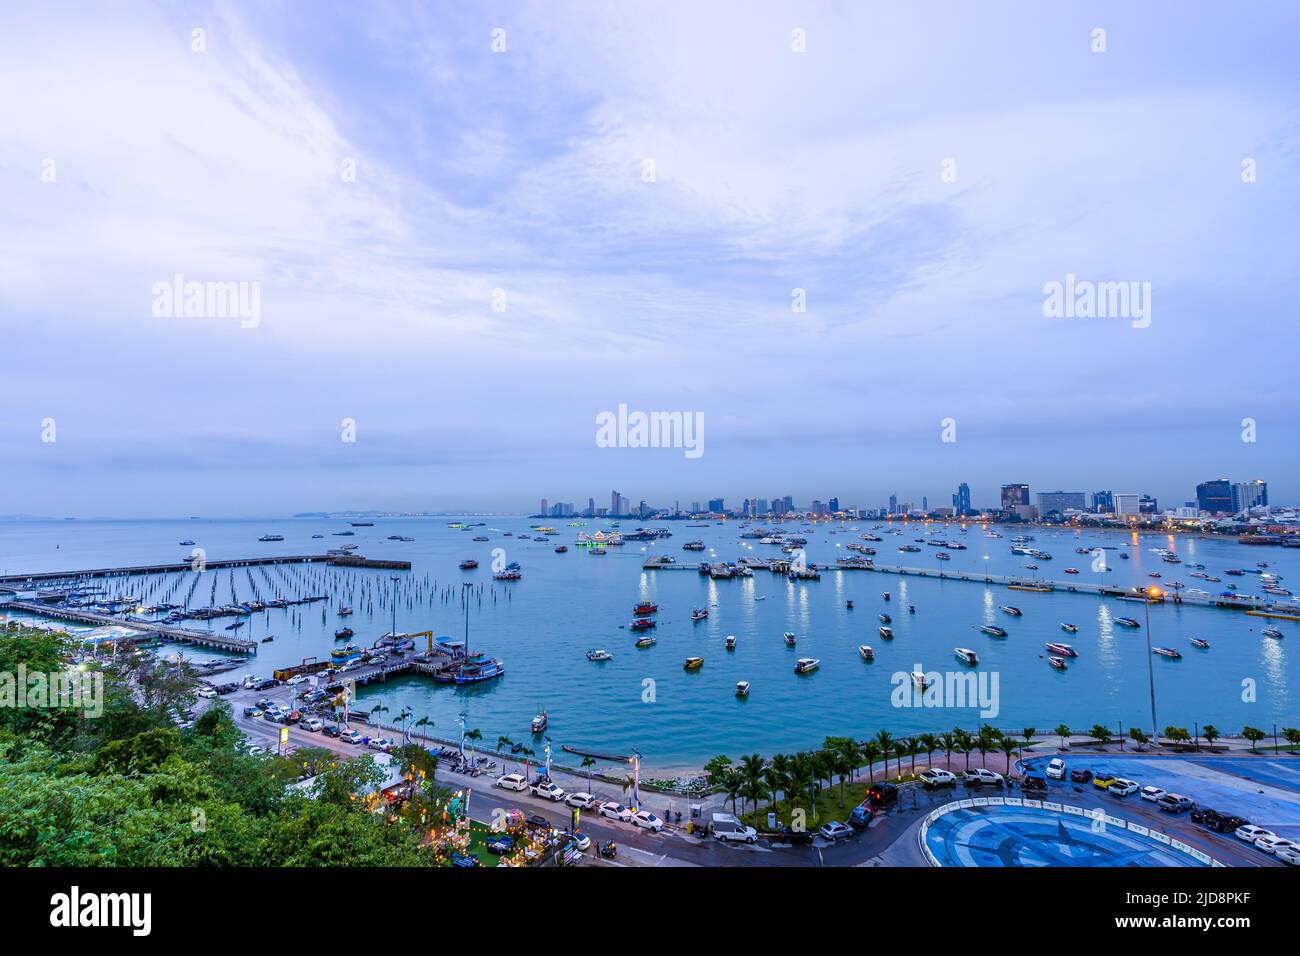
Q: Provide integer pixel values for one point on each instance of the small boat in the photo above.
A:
(806, 665)
(742, 688)
(886, 632)
(918, 678)
(509, 574)
(318, 536)
(1166, 652)
(886, 619)
(911, 609)
(994, 630)
(866, 653)
(599, 655)
(1272, 632)
(362, 524)
(645, 607)
(1070, 628)
(1009, 609)
(343, 633)
(699, 613)
(885, 595)
(730, 642)
(186, 543)
(943, 556)
(642, 624)
(347, 652)
(1202, 644)
(1154, 574)
(1235, 572)
(789, 639)
(468, 564)
(849, 605)
(1071, 570)
(646, 642)
(693, 663)
(344, 610)
(966, 655)
(562, 549)
(540, 722)
(1124, 556)
(271, 537)
(268, 639)
(1127, 622)
(1031, 567)
(236, 626)
(1062, 650)
(480, 537)
(1057, 662)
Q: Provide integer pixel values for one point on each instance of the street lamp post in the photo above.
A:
(1151, 671)
(393, 632)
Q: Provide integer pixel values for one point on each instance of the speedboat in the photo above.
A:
(599, 654)
(540, 722)
(866, 653)
(645, 607)
(1166, 652)
(1071, 570)
(1062, 650)
(468, 564)
(562, 549)
(1070, 628)
(699, 613)
(918, 678)
(886, 632)
(693, 663)
(344, 610)
(966, 655)
(730, 642)
(642, 624)
(1202, 644)
(1272, 632)
(789, 639)
(806, 665)
(186, 543)
(994, 630)
(271, 537)
(1127, 622)
(646, 642)
(1009, 609)
(1057, 662)
(742, 688)
(886, 619)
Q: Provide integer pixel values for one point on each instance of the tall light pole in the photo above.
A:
(393, 632)
(1151, 671)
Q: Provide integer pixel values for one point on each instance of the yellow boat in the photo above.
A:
(693, 663)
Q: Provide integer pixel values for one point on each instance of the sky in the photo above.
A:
(471, 229)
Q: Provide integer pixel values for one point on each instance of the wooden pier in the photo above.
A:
(10, 582)
(182, 634)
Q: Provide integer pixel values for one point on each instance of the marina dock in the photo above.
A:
(146, 630)
(11, 582)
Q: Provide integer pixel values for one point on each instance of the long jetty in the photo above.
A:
(185, 634)
(9, 581)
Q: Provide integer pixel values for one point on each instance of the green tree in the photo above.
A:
(1254, 735)
(1062, 731)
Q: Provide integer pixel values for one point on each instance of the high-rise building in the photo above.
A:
(1148, 505)
(1127, 504)
(893, 504)
(544, 509)
(761, 507)
(925, 503)
(1103, 502)
(715, 505)
(1249, 494)
(613, 502)
(833, 505)
(1059, 501)
(591, 506)
(961, 500)
(1014, 495)
(695, 508)
(1215, 496)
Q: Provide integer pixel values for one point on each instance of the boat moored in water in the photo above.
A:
(866, 653)
(599, 654)
(789, 639)
(1057, 662)
(806, 665)
(730, 642)
(1010, 609)
(693, 663)
(646, 642)
(1070, 628)
(699, 613)
(1166, 652)
(1202, 644)
(540, 722)
(645, 607)
(1272, 632)
(1061, 650)
(468, 564)
(742, 688)
(1127, 622)
(994, 630)
(966, 655)
(886, 632)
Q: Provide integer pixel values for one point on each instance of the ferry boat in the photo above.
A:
(271, 537)
(1057, 662)
(943, 556)
(693, 663)
(994, 630)
(806, 665)
(730, 642)
(1272, 632)
(742, 688)
(966, 655)
(1235, 572)
(646, 642)
(599, 654)
(1274, 589)
(918, 678)
(1062, 650)
(866, 653)
(1127, 622)
(469, 564)
(886, 632)
(886, 619)
(1166, 652)
(909, 548)
(362, 524)
(642, 624)
(1070, 628)
(476, 668)
(540, 722)
(699, 613)
(1010, 609)
(1202, 644)
(346, 653)
(789, 639)
(645, 607)
(343, 633)
(693, 546)
(510, 574)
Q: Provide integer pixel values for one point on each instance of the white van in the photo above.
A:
(726, 827)
(1056, 768)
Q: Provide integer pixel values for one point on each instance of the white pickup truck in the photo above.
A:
(726, 828)
(544, 788)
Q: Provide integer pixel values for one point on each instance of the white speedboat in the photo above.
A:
(1062, 650)
(742, 688)
(966, 655)
(886, 632)
(806, 665)
(866, 653)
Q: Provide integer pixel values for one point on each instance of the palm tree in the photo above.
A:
(852, 754)
(503, 742)
(1062, 731)
(588, 763)
(965, 743)
(754, 790)
(900, 751)
(751, 768)
(930, 743)
(886, 741)
(985, 742)
(1008, 746)
(424, 722)
(775, 782)
(731, 783)
(473, 735)
(871, 753)
(948, 744)
(914, 747)
(378, 709)
(405, 717)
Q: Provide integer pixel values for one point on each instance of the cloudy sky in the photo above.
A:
(471, 252)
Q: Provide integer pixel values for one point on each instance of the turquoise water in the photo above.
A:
(565, 604)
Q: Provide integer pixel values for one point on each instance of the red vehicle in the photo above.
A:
(642, 624)
(645, 607)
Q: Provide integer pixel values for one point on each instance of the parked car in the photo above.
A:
(351, 737)
(980, 776)
(252, 712)
(1271, 844)
(1035, 785)
(1289, 854)
(1152, 793)
(785, 834)
(207, 693)
(380, 743)
(1225, 823)
(836, 831)
(1056, 768)
(512, 781)
(313, 724)
(331, 730)
(726, 827)
(1250, 833)
(1199, 814)
(883, 794)
(298, 679)
(580, 840)
(1081, 775)
(933, 778)
(615, 811)
(860, 817)
(580, 799)
(647, 821)
(1174, 803)
(1103, 780)
(1122, 787)
(545, 788)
